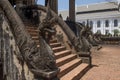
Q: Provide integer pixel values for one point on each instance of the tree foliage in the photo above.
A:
(116, 31)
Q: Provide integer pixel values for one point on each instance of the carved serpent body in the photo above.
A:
(39, 60)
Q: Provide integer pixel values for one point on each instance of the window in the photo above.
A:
(98, 23)
(91, 24)
(115, 23)
(106, 23)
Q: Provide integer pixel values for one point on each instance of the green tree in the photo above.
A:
(116, 31)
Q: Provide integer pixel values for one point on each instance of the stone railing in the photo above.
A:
(70, 34)
(40, 61)
(115, 40)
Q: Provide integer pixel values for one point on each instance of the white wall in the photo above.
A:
(103, 28)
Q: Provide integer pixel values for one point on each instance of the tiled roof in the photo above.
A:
(97, 6)
(98, 10)
(98, 15)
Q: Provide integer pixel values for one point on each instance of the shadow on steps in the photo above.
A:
(81, 74)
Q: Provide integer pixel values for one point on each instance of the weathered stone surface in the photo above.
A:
(10, 71)
(53, 5)
(39, 60)
(73, 39)
(46, 26)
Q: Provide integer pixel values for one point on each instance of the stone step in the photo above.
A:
(62, 54)
(53, 41)
(35, 37)
(71, 67)
(31, 27)
(55, 45)
(58, 49)
(38, 46)
(66, 68)
(26, 22)
(76, 73)
(66, 59)
(34, 33)
(33, 30)
(37, 42)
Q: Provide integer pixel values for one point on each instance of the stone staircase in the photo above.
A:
(71, 67)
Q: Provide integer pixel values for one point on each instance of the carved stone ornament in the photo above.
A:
(39, 60)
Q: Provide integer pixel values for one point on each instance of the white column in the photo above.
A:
(103, 21)
(102, 26)
(111, 25)
(94, 26)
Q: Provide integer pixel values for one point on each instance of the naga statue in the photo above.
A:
(85, 35)
(46, 27)
(40, 61)
(82, 32)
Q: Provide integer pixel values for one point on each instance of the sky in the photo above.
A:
(64, 4)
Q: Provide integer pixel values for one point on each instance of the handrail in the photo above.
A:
(74, 40)
(71, 36)
(41, 65)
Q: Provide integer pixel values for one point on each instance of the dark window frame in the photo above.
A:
(98, 23)
(91, 23)
(115, 23)
(107, 23)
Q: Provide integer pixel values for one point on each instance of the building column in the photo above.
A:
(19, 3)
(30, 2)
(111, 25)
(72, 10)
(46, 2)
(53, 5)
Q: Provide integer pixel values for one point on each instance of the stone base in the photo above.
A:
(86, 57)
(87, 60)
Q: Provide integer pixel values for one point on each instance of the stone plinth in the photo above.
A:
(86, 57)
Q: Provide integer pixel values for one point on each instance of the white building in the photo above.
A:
(103, 17)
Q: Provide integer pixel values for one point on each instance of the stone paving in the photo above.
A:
(106, 64)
